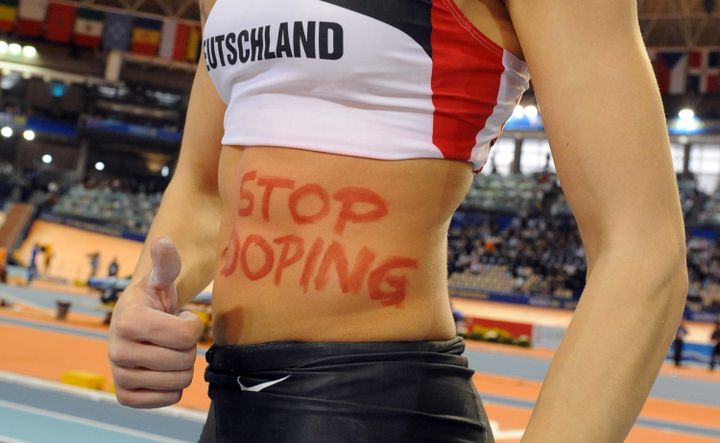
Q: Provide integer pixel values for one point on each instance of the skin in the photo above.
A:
(604, 119)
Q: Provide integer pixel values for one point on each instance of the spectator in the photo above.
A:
(113, 268)
(3, 264)
(679, 343)
(32, 270)
(48, 256)
(94, 264)
(715, 341)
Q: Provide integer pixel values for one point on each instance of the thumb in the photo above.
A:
(165, 269)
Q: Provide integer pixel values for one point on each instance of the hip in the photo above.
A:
(329, 392)
(257, 313)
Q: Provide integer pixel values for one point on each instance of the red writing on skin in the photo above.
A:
(352, 196)
(301, 193)
(309, 267)
(246, 196)
(285, 259)
(397, 282)
(349, 281)
(357, 205)
(270, 183)
(267, 252)
(231, 252)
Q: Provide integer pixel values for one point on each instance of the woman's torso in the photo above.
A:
(325, 247)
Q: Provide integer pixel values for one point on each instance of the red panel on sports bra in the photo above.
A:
(465, 83)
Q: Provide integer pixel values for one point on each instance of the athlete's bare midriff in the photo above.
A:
(324, 247)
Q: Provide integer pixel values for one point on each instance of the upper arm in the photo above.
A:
(604, 120)
(201, 141)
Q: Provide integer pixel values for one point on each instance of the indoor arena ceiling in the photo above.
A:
(186, 9)
(665, 23)
(680, 23)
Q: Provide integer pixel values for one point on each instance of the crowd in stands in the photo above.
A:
(124, 204)
(704, 274)
(529, 243)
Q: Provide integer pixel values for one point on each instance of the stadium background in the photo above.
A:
(92, 102)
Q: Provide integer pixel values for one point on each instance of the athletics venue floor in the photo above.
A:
(684, 406)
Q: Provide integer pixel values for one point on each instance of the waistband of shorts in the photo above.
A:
(294, 354)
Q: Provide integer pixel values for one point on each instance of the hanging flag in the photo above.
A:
(60, 22)
(671, 71)
(192, 49)
(116, 32)
(88, 27)
(31, 16)
(8, 15)
(713, 77)
(180, 45)
(167, 38)
(179, 41)
(703, 71)
(146, 36)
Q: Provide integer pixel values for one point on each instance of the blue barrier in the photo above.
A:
(141, 131)
(504, 297)
(692, 351)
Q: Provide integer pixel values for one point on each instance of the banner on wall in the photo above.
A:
(514, 329)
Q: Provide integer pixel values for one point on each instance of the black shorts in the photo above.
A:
(300, 392)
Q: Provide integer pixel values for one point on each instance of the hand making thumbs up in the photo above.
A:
(151, 349)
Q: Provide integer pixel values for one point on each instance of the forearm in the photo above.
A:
(613, 349)
(190, 217)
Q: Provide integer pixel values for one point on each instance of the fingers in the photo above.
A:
(136, 379)
(144, 398)
(153, 351)
(179, 332)
(165, 269)
(132, 355)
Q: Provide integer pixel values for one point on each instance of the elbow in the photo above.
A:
(668, 277)
(651, 261)
(674, 275)
(677, 281)
(671, 290)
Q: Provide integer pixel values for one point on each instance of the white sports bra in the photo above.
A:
(385, 79)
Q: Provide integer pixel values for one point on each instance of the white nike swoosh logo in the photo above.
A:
(260, 386)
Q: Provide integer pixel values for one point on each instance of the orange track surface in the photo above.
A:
(71, 247)
(48, 354)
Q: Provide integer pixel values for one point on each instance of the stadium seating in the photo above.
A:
(527, 241)
(104, 206)
(511, 193)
